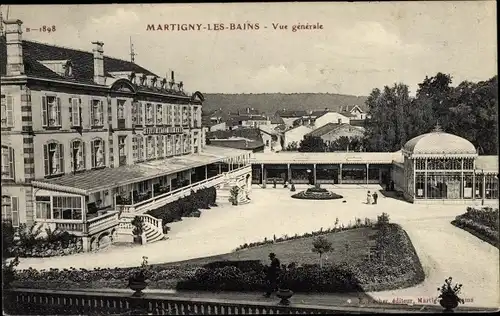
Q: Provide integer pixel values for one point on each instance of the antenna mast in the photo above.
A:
(132, 53)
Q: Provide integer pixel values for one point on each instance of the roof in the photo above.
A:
(323, 130)
(276, 119)
(82, 62)
(291, 113)
(268, 130)
(319, 113)
(98, 180)
(347, 114)
(284, 157)
(487, 163)
(359, 123)
(438, 143)
(241, 143)
(248, 133)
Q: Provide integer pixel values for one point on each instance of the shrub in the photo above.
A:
(8, 232)
(8, 272)
(479, 230)
(321, 245)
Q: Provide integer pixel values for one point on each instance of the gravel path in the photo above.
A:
(443, 249)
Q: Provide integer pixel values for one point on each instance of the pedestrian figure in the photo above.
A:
(274, 183)
(286, 185)
(368, 198)
(375, 197)
(272, 274)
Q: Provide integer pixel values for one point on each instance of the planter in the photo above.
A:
(284, 295)
(137, 286)
(449, 302)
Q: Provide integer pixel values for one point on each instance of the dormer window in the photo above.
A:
(68, 69)
(163, 83)
(143, 80)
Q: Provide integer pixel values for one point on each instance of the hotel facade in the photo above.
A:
(89, 141)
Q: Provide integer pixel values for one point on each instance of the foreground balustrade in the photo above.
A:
(52, 302)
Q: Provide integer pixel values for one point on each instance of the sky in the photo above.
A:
(361, 46)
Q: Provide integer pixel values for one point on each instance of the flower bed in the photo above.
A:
(32, 243)
(317, 194)
(188, 206)
(479, 230)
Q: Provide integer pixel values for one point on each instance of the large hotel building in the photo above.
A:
(86, 137)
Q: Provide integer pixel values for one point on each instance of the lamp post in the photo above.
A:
(483, 189)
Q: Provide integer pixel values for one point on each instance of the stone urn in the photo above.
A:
(137, 286)
(449, 302)
(284, 295)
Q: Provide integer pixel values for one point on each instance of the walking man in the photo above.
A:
(375, 197)
(368, 198)
(272, 274)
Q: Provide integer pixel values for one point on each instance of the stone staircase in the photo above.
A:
(224, 191)
(152, 227)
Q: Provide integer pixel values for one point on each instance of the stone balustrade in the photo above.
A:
(59, 302)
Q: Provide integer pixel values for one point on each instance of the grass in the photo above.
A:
(299, 250)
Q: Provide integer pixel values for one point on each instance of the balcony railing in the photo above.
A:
(55, 302)
(144, 204)
(93, 225)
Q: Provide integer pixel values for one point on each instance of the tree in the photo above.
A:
(312, 144)
(321, 245)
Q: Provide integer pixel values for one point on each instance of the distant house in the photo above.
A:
(247, 121)
(354, 112)
(333, 131)
(330, 117)
(239, 143)
(276, 121)
(289, 116)
(295, 135)
(271, 139)
(222, 126)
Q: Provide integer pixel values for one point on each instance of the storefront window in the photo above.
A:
(491, 187)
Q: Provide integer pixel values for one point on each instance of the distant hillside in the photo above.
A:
(272, 102)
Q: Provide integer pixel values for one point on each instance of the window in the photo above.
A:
(96, 113)
(149, 114)
(54, 158)
(42, 204)
(140, 113)
(51, 111)
(166, 116)
(420, 164)
(168, 139)
(67, 207)
(121, 109)
(468, 164)
(77, 154)
(159, 147)
(136, 113)
(122, 140)
(97, 156)
(140, 148)
(150, 147)
(10, 210)
(177, 144)
(7, 162)
(159, 114)
(75, 112)
(7, 111)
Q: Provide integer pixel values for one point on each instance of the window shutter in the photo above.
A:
(134, 148)
(71, 111)
(75, 105)
(58, 111)
(93, 153)
(101, 112)
(10, 114)
(44, 111)
(92, 113)
(15, 211)
(61, 157)
(11, 163)
(103, 146)
(83, 155)
(140, 113)
(72, 157)
(46, 158)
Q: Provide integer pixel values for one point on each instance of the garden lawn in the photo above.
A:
(300, 250)
(402, 270)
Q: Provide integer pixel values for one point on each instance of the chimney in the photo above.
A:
(172, 77)
(99, 63)
(14, 39)
(163, 83)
